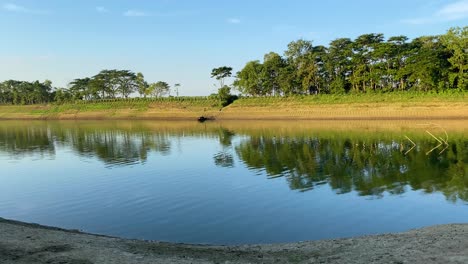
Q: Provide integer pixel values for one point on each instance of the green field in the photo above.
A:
(394, 97)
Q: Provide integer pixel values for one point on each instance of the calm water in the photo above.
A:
(231, 183)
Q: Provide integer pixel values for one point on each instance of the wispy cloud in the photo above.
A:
(135, 13)
(177, 13)
(101, 9)
(450, 12)
(454, 11)
(234, 21)
(14, 8)
(21, 9)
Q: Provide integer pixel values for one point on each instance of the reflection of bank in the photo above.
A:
(367, 165)
(26, 140)
(370, 161)
(113, 147)
(431, 130)
(225, 158)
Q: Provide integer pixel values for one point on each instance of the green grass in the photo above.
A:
(395, 97)
(130, 107)
(139, 104)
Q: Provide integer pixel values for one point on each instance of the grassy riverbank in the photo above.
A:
(363, 106)
(30, 243)
(183, 108)
(366, 106)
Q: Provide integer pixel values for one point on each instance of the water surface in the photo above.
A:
(233, 183)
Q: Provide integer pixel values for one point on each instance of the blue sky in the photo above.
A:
(180, 41)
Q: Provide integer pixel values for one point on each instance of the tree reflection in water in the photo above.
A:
(368, 164)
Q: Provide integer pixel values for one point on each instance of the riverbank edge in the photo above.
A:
(375, 111)
(33, 243)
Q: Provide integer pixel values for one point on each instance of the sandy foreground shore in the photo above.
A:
(31, 243)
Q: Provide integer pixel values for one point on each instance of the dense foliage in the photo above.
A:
(368, 64)
(19, 92)
(107, 84)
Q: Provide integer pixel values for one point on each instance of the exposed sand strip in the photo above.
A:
(29, 243)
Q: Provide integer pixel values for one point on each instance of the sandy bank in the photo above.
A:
(29, 243)
(357, 111)
(246, 110)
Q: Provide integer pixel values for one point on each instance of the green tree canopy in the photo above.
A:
(159, 89)
(221, 73)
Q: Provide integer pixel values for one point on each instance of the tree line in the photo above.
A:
(370, 63)
(21, 92)
(107, 84)
(367, 64)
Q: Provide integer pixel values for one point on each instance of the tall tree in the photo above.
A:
(272, 65)
(176, 86)
(456, 41)
(104, 83)
(338, 64)
(221, 73)
(298, 57)
(427, 65)
(159, 89)
(400, 50)
(297, 50)
(364, 78)
(79, 88)
(250, 79)
(126, 82)
(312, 72)
(142, 85)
